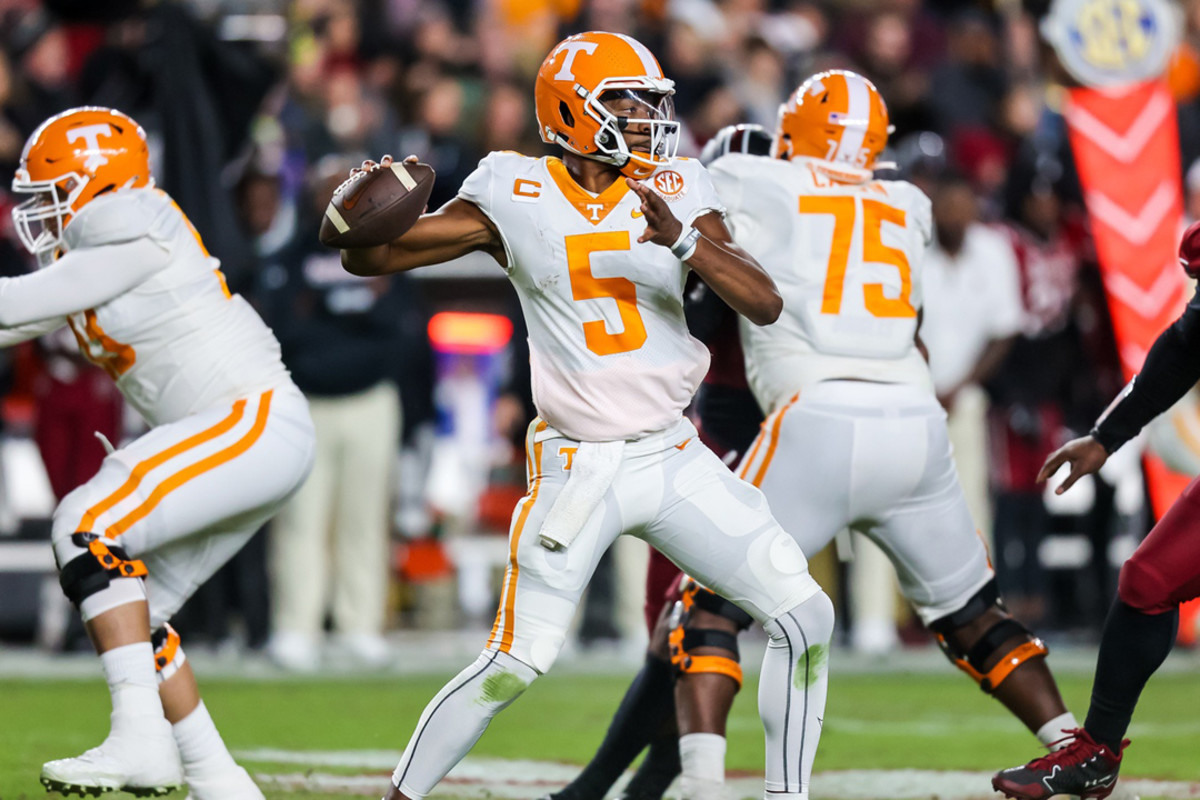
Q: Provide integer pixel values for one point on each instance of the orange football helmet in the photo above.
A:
(69, 160)
(837, 118)
(583, 79)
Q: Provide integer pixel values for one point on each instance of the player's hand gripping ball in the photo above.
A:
(1189, 251)
(377, 203)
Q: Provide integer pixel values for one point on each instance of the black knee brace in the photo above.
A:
(685, 638)
(95, 568)
(974, 660)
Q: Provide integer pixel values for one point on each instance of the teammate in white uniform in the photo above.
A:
(231, 438)
(598, 258)
(854, 435)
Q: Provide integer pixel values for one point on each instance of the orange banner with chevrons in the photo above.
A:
(1126, 148)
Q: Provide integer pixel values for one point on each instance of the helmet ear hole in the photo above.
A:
(564, 111)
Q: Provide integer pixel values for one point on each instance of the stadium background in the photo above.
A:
(256, 109)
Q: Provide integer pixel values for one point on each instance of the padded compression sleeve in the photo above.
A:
(79, 280)
(1172, 367)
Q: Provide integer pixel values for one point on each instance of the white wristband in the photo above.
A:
(685, 246)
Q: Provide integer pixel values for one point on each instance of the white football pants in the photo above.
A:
(874, 457)
(674, 493)
(187, 495)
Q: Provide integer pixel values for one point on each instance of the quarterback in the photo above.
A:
(598, 244)
(231, 438)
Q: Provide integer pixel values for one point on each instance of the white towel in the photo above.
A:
(593, 468)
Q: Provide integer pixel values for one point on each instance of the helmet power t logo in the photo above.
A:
(91, 136)
(572, 49)
(69, 161)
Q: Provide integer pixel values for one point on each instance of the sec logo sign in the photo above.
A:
(1113, 42)
(669, 184)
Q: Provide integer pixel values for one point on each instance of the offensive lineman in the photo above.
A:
(232, 439)
(841, 375)
(854, 435)
(598, 245)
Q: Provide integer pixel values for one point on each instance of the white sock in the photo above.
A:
(200, 745)
(702, 755)
(1056, 729)
(132, 682)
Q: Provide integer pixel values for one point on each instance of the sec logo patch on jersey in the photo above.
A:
(669, 184)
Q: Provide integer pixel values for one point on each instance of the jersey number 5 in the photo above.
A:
(874, 213)
(586, 286)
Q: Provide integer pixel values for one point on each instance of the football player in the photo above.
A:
(1162, 573)
(854, 436)
(598, 244)
(729, 418)
(231, 439)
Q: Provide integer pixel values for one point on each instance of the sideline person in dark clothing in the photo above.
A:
(356, 347)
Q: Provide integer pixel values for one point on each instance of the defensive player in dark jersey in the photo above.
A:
(1161, 574)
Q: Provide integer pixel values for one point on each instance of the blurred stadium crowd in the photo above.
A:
(256, 109)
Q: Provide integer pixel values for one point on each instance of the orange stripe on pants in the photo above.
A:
(510, 584)
(774, 442)
(144, 468)
(196, 470)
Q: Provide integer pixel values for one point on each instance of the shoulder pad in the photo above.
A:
(119, 217)
(679, 178)
(496, 171)
(507, 162)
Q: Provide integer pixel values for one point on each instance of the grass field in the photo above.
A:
(935, 721)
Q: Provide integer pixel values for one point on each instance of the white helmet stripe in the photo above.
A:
(858, 114)
(649, 62)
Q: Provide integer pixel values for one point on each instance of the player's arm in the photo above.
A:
(78, 280)
(23, 333)
(728, 270)
(1172, 367)
(457, 228)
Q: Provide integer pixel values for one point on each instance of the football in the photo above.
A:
(373, 208)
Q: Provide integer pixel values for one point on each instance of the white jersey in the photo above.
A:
(147, 303)
(610, 354)
(847, 261)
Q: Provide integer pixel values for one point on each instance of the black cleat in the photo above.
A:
(1083, 768)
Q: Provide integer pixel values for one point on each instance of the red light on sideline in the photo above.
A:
(468, 332)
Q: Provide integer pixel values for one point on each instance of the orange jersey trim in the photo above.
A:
(592, 207)
(188, 222)
(196, 470)
(508, 631)
(773, 442)
(117, 357)
(224, 284)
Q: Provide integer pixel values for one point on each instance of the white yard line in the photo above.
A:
(523, 780)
